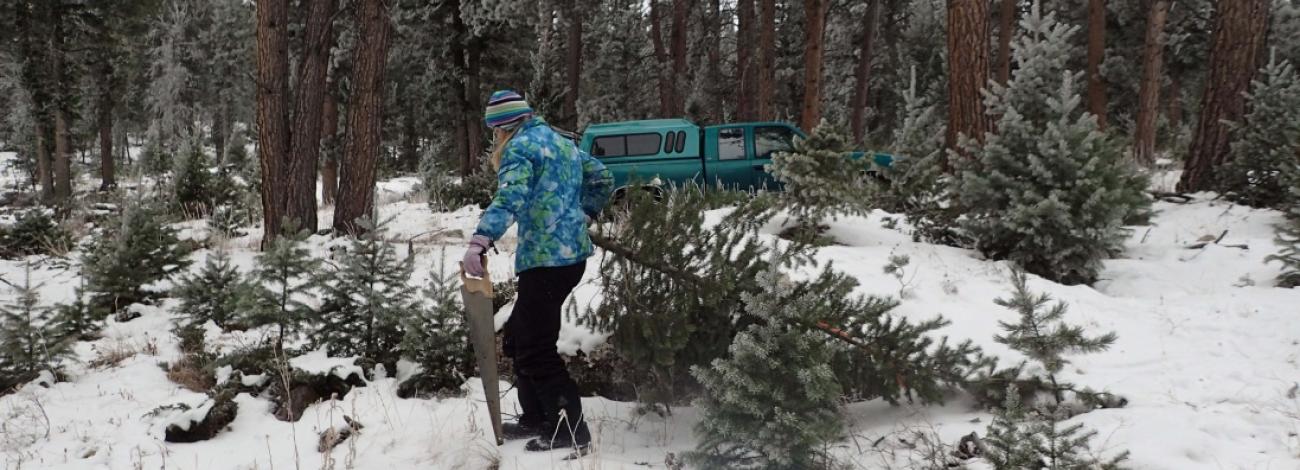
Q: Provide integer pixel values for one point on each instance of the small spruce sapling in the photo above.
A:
(437, 339)
(193, 186)
(122, 260)
(34, 233)
(1264, 152)
(77, 320)
(821, 180)
(29, 343)
(915, 183)
(1289, 238)
(213, 294)
(773, 402)
(1042, 335)
(366, 296)
(1046, 188)
(283, 280)
(1020, 439)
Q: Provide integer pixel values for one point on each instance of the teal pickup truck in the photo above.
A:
(675, 151)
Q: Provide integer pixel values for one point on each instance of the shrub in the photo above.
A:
(122, 260)
(34, 233)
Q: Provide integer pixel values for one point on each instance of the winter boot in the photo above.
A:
(565, 426)
(521, 430)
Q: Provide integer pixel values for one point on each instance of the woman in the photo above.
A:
(551, 188)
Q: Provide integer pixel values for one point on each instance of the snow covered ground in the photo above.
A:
(1208, 357)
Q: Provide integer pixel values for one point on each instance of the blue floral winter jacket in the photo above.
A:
(549, 186)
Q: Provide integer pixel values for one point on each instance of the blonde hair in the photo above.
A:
(500, 138)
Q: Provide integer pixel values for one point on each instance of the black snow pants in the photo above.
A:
(541, 379)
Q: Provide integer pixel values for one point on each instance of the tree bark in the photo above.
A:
(104, 118)
(313, 68)
(1144, 138)
(461, 99)
(474, 115)
(1006, 31)
(968, 71)
(666, 88)
(713, 74)
(1240, 31)
(814, 32)
(573, 64)
(766, 60)
(62, 149)
(745, 74)
(410, 160)
(329, 170)
(863, 73)
(44, 173)
(1174, 103)
(272, 110)
(219, 131)
(679, 54)
(1096, 55)
(365, 118)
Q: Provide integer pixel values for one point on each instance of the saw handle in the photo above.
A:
(478, 285)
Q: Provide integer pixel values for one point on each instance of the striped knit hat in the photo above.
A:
(506, 109)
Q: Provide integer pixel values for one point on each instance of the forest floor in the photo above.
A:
(1208, 357)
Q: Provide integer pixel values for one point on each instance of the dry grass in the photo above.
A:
(188, 373)
(113, 353)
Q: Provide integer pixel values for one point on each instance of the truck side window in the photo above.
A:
(609, 146)
(772, 139)
(643, 144)
(668, 145)
(731, 143)
(681, 141)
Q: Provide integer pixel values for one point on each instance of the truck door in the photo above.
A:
(769, 139)
(730, 164)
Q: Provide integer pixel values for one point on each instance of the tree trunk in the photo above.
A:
(1174, 103)
(272, 110)
(410, 160)
(666, 88)
(1144, 138)
(968, 71)
(44, 172)
(1240, 30)
(679, 55)
(365, 118)
(329, 170)
(62, 149)
(766, 60)
(745, 74)
(1006, 31)
(220, 129)
(713, 75)
(1096, 54)
(474, 116)
(573, 65)
(814, 32)
(104, 118)
(313, 71)
(863, 73)
(461, 100)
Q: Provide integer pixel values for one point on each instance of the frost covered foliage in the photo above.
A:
(285, 276)
(122, 260)
(1042, 335)
(675, 302)
(193, 188)
(437, 339)
(1023, 439)
(915, 182)
(28, 343)
(366, 297)
(1046, 189)
(213, 293)
(34, 233)
(1263, 156)
(773, 402)
(820, 180)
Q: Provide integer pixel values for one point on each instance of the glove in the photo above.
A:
(473, 262)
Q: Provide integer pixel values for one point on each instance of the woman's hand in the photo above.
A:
(472, 264)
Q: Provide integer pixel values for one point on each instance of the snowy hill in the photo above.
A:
(1208, 357)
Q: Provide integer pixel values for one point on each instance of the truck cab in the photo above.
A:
(662, 151)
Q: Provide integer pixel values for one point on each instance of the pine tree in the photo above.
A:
(437, 339)
(194, 189)
(773, 402)
(213, 294)
(1289, 237)
(77, 320)
(1047, 189)
(1267, 141)
(820, 180)
(28, 343)
(366, 297)
(916, 184)
(1019, 439)
(122, 260)
(283, 280)
(35, 232)
(1042, 335)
